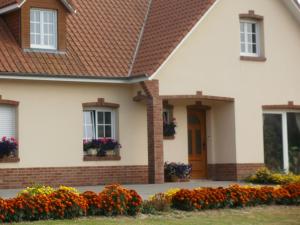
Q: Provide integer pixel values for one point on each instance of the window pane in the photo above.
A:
(108, 132)
(273, 142)
(249, 28)
(242, 37)
(254, 38)
(243, 47)
(107, 117)
(100, 117)
(242, 27)
(254, 49)
(253, 28)
(250, 38)
(190, 142)
(293, 120)
(198, 142)
(250, 48)
(100, 131)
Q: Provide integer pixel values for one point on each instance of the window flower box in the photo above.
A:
(169, 129)
(8, 148)
(101, 147)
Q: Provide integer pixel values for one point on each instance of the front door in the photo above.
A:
(197, 142)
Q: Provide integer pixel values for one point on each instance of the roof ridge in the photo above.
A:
(138, 44)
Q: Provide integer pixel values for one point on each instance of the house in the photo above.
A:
(74, 70)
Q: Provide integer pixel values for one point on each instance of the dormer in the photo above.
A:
(38, 25)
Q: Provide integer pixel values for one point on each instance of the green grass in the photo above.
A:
(275, 215)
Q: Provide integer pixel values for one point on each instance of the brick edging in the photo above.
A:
(72, 176)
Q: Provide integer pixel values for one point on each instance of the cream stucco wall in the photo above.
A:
(50, 123)
(209, 61)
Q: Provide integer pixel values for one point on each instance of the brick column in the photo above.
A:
(155, 132)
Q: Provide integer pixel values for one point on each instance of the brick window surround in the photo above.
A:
(16, 158)
(101, 103)
(260, 20)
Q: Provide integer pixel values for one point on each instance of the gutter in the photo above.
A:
(77, 79)
(11, 7)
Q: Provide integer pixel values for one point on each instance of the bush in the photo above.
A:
(37, 190)
(265, 176)
(160, 202)
(94, 203)
(148, 208)
(235, 196)
(116, 200)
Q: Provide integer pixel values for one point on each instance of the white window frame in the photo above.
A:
(285, 140)
(42, 34)
(113, 121)
(246, 42)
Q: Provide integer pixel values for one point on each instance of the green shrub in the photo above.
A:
(160, 202)
(148, 208)
(265, 176)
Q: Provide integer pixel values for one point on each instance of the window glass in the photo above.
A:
(293, 124)
(7, 121)
(99, 124)
(249, 38)
(89, 124)
(43, 28)
(273, 141)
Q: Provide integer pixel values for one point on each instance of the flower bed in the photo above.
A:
(235, 196)
(42, 203)
(265, 176)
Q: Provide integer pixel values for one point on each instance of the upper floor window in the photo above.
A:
(250, 45)
(99, 123)
(43, 29)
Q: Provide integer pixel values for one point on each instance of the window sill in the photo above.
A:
(169, 137)
(90, 158)
(11, 159)
(253, 58)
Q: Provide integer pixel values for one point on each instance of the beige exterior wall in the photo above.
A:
(51, 122)
(209, 61)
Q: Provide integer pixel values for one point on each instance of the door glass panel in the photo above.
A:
(193, 119)
(190, 144)
(293, 124)
(198, 142)
(273, 142)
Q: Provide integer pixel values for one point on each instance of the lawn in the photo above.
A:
(274, 215)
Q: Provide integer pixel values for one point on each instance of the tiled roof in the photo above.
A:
(168, 23)
(104, 38)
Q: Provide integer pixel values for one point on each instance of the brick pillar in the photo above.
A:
(155, 132)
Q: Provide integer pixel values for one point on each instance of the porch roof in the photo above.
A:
(198, 96)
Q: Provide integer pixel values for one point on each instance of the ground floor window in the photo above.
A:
(99, 123)
(282, 141)
(7, 121)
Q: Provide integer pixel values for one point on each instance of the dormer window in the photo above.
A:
(43, 29)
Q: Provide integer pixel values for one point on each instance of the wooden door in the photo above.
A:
(197, 142)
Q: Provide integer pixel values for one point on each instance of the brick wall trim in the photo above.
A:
(8, 102)
(232, 171)
(289, 106)
(100, 103)
(73, 176)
